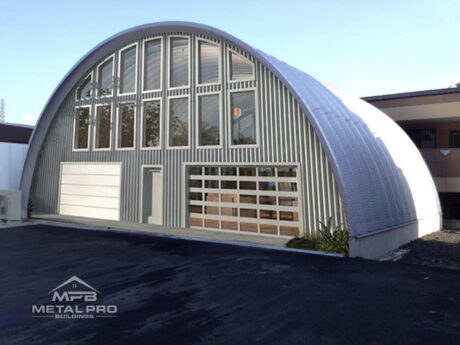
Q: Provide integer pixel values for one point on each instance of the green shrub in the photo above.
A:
(333, 238)
(310, 243)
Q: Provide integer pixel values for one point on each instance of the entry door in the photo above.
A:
(157, 197)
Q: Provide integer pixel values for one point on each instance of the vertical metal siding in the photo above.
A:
(285, 135)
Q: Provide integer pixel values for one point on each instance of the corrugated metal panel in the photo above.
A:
(286, 136)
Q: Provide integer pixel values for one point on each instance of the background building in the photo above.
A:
(432, 120)
(183, 125)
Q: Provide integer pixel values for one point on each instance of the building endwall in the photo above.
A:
(285, 136)
(12, 158)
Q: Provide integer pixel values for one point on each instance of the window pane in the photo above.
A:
(103, 118)
(195, 183)
(126, 125)
(211, 223)
(228, 185)
(229, 171)
(208, 55)
(267, 186)
(179, 62)
(243, 118)
(247, 171)
(81, 128)
(195, 209)
(288, 201)
(227, 225)
(240, 67)
(195, 196)
(229, 212)
(250, 227)
(211, 197)
(290, 216)
(266, 171)
(211, 171)
(104, 81)
(268, 229)
(211, 184)
(267, 200)
(151, 120)
(287, 187)
(208, 117)
(84, 91)
(248, 185)
(152, 65)
(196, 221)
(194, 170)
(455, 139)
(248, 199)
(229, 198)
(248, 213)
(268, 214)
(178, 122)
(289, 230)
(287, 172)
(128, 70)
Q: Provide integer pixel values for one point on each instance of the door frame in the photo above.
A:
(141, 191)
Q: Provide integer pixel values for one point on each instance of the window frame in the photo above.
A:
(77, 108)
(169, 147)
(120, 52)
(169, 62)
(197, 121)
(229, 80)
(197, 61)
(112, 56)
(229, 113)
(160, 99)
(95, 126)
(90, 75)
(117, 126)
(143, 64)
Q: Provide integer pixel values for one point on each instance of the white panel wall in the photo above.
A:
(12, 158)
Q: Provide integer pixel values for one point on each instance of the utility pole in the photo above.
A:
(2, 111)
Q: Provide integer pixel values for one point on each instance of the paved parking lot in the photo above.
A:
(171, 291)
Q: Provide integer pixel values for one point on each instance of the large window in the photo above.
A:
(178, 122)
(81, 128)
(84, 91)
(127, 70)
(105, 78)
(243, 118)
(151, 123)
(208, 120)
(240, 68)
(455, 139)
(423, 138)
(179, 61)
(103, 126)
(152, 64)
(262, 200)
(208, 62)
(126, 125)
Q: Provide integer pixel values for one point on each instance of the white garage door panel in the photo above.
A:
(89, 212)
(90, 190)
(92, 180)
(92, 169)
(96, 201)
(107, 191)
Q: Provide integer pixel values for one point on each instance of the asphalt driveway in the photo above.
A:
(171, 291)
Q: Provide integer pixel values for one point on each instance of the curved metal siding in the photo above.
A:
(286, 135)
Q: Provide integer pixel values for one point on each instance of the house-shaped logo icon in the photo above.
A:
(74, 290)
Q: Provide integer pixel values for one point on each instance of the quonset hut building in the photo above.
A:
(183, 125)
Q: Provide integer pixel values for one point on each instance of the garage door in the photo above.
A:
(263, 200)
(90, 190)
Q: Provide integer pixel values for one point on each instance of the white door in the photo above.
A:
(157, 198)
(90, 190)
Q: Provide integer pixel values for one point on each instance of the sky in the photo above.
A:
(364, 48)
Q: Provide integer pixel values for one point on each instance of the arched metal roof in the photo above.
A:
(382, 179)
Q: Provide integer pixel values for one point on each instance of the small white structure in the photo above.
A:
(12, 158)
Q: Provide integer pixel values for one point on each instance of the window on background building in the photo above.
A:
(208, 120)
(103, 124)
(128, 70)
(81, 128)
(126, 125)
(84, 91)
(424, 138)
(104, 78)
(208, 62)
(455, 139)
(178, 122)
(179, 51)
(151, 122)
(243, 128)
(152, 65)
(240, 67)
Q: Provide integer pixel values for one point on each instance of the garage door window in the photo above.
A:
(261, 200)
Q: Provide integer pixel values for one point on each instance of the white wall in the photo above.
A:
(12, 158)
